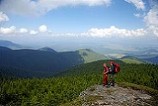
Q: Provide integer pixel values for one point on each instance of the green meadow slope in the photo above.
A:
(90, 56)
(132, 60)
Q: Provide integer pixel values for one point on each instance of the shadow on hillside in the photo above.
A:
(38, 63)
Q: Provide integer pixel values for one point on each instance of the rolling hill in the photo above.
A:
(149, 55)
(153, 60)
(47, 49)
(10, 44)
(150, 58)
(90, 56)
(132, 60)
(37, 61)
(42, 62)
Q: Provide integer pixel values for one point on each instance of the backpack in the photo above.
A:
(117, 67)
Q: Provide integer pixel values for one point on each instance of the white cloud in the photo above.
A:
(33, 32)
(20, 7)
(35, 8)
(138, 15)
(139, 4)
(152, 17)
(3, 17)
(13, 30)
(43, 28)
(153, 30)
(23, 30)
(114, 31)
(151, 20)
(9, 30)
(93, 32)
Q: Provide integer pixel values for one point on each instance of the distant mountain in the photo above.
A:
(153, 60)
(37, 61)
(47, 49)
(9, 44)
(42, 62)
(4, 49)
(150, 52)
(148, 55)
(132, 60)
(90, 56)
(141, 52)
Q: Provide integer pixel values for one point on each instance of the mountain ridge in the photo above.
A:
(132, 60)
(47, 49)
(89, 55)
(10, 44)
(42, 61)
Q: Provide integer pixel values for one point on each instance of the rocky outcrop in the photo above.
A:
(98, 95)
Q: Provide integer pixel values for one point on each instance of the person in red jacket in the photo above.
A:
(115, 68)
(105, 74)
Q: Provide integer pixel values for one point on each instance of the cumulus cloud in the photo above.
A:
(139, 4)
(93, 32)
(33, 32)
(39, 7)
(13, 30)
(9, 30)
(3, 17)
(151, 20)
(114, 31)
(43, 28)
(152, 17)
(23, 30)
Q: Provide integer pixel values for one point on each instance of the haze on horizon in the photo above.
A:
(74, 24)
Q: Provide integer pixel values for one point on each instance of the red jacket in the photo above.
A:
(106, 69)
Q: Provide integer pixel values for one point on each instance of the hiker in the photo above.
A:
(105, 74)
(115, 68)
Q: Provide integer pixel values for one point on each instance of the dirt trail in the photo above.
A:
(98, 95)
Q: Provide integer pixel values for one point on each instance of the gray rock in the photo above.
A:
(114, 96)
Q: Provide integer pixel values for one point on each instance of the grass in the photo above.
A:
(149, 90)
(90, 56)
(132, 61)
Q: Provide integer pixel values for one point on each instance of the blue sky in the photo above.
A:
(81, 18)
(47, 21)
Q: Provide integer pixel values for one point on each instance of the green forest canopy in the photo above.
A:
(67, 86)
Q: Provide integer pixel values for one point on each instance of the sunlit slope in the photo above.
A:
(90, 56)
(132, 60)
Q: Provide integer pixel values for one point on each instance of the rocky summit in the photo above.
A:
(99, 95)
